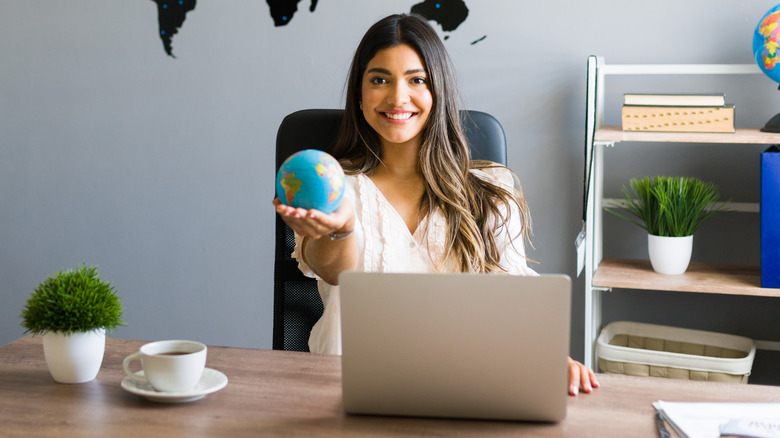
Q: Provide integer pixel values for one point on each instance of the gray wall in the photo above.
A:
(160, 170)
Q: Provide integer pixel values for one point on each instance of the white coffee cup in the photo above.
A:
(169, 366)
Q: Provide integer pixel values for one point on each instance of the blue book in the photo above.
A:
(770, 217)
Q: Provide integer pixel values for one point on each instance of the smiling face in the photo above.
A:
(396, 99)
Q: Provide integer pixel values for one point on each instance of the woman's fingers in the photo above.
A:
(581, 377)
(574, 377)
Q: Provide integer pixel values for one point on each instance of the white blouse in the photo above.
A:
(386, 245)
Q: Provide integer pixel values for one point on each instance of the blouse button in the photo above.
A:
(411, 244)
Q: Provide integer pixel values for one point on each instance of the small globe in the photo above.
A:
(766, 41)
(310, 179)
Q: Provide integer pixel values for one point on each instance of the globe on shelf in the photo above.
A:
(310, 179)
(766, 42)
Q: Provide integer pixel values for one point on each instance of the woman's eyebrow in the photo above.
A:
(379, 70)
(387, 72)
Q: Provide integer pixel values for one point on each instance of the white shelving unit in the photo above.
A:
(604, 274)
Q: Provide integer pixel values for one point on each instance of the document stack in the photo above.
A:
(677, 113)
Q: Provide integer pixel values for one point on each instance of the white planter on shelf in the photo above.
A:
(669, 255)
(74, 358)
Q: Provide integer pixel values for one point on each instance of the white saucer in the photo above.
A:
(211, 381)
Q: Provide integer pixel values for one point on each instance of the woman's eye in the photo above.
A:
(378, 80)
(420, 81)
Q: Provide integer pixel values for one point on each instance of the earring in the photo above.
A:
(361, 105)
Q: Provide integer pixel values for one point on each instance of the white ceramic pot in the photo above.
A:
(74, 358)
(669, 255)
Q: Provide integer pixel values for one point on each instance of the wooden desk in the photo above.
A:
(276, 393)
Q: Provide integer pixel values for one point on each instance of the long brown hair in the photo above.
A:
(466, 201)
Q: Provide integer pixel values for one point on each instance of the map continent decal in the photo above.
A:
(282, 10)
(170, 15)
(448, 13)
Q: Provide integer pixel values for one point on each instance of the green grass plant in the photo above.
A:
(72, 302)
(668, 206)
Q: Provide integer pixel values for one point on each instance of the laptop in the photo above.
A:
(455, 345)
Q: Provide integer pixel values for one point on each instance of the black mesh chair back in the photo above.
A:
(297, 303)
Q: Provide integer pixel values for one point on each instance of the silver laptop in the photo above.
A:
(455, 345)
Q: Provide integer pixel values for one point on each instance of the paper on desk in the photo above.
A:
(704, 420)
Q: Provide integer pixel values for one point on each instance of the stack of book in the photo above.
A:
(677, 113)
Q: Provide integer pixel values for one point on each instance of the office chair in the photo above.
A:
(297, 303)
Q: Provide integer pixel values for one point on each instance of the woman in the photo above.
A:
(414, 201)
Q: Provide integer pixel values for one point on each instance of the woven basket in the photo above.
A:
(639, 349)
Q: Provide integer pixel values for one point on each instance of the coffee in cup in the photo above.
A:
(169, 366)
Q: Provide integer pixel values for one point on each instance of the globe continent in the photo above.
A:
(310, 179)
(766, 40)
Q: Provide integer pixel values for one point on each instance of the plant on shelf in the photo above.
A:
(670, 209)
(73, 310)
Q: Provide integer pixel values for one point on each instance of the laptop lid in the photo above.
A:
(455, 345)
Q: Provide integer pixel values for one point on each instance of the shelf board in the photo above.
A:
(743, 135)
(700, 277)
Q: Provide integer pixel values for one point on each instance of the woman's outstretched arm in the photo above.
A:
(326, 256)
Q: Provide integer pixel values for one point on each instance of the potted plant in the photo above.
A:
(73, 310)
(670, 209)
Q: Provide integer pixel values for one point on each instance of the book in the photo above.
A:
(715, 99)
(750, 429)
(721, 419)
(678, 118)
(770, 217)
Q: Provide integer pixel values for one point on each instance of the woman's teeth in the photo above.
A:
(398, 116)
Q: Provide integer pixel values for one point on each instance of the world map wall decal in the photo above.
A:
(449, 14)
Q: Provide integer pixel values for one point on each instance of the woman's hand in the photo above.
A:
(581, 376)
(315, 224)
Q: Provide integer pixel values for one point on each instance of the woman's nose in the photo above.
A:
(399, 94)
